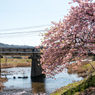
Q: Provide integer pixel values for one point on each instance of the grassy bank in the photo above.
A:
(83, 87)
(15, 63)
(78, 88)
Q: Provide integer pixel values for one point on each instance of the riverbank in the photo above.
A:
(83, 87)
(15, 63)
(83, 70)
(2, 80)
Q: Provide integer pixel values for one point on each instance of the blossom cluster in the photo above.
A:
(70, 38)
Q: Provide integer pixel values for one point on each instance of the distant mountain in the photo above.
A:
(2, 45)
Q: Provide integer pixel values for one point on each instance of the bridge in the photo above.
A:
(33, 53)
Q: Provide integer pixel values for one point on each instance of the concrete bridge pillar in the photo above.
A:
(36, 69)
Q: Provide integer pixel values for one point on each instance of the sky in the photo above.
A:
(21, 21)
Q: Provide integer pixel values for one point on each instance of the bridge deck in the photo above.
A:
(19, 51)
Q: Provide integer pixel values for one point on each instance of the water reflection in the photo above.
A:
(38, 84)
(34, 85)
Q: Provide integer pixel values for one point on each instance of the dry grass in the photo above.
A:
(15, 63)
(89, 91)
(80, 67)
(2, 80)
(83, 70)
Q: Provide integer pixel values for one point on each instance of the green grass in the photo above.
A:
(75, 88)
(66, 88)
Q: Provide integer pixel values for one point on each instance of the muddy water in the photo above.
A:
(39, 86)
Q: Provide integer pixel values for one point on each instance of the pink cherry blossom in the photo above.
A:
(69, 39)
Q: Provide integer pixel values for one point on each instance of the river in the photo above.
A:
(28, 86)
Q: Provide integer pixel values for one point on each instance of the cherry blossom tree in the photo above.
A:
(69, 39)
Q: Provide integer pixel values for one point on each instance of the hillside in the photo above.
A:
(2, 45)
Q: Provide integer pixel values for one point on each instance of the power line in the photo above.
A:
(13, 33)
(17, 36)
(25, 27)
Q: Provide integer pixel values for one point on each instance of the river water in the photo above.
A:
(28, 86)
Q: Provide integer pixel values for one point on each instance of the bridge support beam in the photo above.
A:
(0, 62)
(36, 69)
